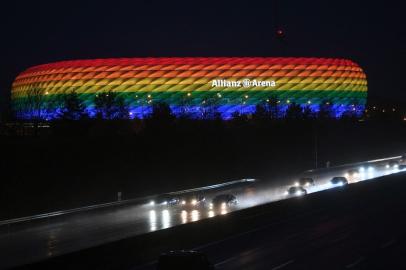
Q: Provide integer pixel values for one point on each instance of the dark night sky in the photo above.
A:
(372, 33)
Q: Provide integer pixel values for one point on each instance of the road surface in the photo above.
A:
(365, 230)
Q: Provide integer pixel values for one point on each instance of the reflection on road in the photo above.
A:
(165, 218)
(152, 220)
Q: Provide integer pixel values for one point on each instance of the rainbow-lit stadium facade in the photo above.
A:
(190, 84)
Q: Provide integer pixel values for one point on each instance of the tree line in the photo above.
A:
(112, 106)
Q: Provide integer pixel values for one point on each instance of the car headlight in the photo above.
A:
(223, 205)
(340, 183)
(296, 184)
(286, 193)
(396, 166)
(346, 175)
(193, 202)
(151, 203)
(362, 169)
(211, 205)
(387, 166)
(165, 203)
(183, 202)
(298, 193)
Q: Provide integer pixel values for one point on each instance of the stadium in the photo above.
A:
(193, 85)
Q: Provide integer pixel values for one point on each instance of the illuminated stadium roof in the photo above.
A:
(190, 85)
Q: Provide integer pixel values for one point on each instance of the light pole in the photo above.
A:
(315, 145)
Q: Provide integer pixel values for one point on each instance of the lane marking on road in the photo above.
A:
(240, 255)
(293, 235)
(264, 227)
(146, 265)
(388, 243)
(283, 265)
(355, 263)
(341, 238)
(226, 261)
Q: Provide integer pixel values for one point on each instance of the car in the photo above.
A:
(305, 182)
(393, 164)
(352, 173)
(339, 181)
(193, 200)
(224, 200)
(402, 160)
(184, 259)
(355, 175)
(165, 200)
(296, 191)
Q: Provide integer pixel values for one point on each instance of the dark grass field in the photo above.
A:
(82, 164)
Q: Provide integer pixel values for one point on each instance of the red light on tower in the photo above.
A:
(280, 33)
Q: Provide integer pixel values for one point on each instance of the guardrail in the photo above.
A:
(70, 211)
(216, 186)
(353, 164)
(121, 202)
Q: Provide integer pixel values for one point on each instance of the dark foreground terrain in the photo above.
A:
(358, 227)
(85, 163)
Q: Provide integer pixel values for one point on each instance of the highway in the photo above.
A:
(364, 229)
(31, 241)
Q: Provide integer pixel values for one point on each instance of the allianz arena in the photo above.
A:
(189, 85)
